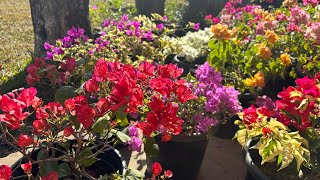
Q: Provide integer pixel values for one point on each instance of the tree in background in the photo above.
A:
(53, 18)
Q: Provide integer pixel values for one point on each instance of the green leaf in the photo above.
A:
(133, 174)
(75, 122)
(287, 158)
(47, 167)
(121, 119)
(63, 170)
(271, 149)
(122, 136)
(84, 158)
(151, 148)
(41, 154)
(64, 93)
(242, 137)
(101, 123)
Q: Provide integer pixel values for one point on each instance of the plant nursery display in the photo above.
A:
(254, 47)
(285, 132)
(161, 89)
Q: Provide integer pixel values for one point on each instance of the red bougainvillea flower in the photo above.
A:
(68, 131)
(103, 106)
(184, 93)
(85, 115)
(55, 109)
(27, 167)
(170, 70)
(163, 118)
(13, 104)
(250, 115)
(69, 65)
(266, 131)
(168, 174)
(40, 126)
(92, 86)
(51, 176)
(100, 71)
(147, 68)
(162, 85)
(25, 140)
(308, 86)
(5, 172)
(156, 169)
(74, 104)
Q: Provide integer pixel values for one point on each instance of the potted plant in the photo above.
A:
(283, 136)
(256, 47)
(147, 7)
(45, 137)
(192, 49)
(179, 113)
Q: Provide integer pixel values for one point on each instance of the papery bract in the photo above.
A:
(5, 172)
(25, 140)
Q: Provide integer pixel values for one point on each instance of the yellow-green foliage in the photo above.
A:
(278, 144)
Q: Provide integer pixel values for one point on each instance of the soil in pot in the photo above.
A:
(269, 171)
(182, 155)
(108, 162)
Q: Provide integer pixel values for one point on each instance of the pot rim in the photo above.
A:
(190, 138)
(123, 161)
(251, 166)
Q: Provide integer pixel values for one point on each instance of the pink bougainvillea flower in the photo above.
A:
(27, 167)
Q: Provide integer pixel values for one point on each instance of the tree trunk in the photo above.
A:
(53, 18)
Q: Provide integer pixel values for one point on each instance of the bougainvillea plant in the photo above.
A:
(63, 140)
(158, 101)
(287, 130)
(252, 46)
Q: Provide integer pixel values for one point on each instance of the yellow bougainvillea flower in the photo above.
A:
(221, 31)
(285, 59)
(250, 82)
(264, 51)
(271, 36)
(256, 81)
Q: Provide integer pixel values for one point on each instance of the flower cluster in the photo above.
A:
(42, 71)
(127, 89)
(265, 43)
(219, 99)
(297, 109)
(193, 45)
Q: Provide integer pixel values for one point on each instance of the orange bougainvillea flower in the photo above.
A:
(271, 36)
(264, 51)
(221, 31)
(290, 3)
(259, 78)
(285, 59)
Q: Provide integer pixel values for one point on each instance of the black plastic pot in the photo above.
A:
(183, 155)
(108, 162)
(253, 171)
(147, 7)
